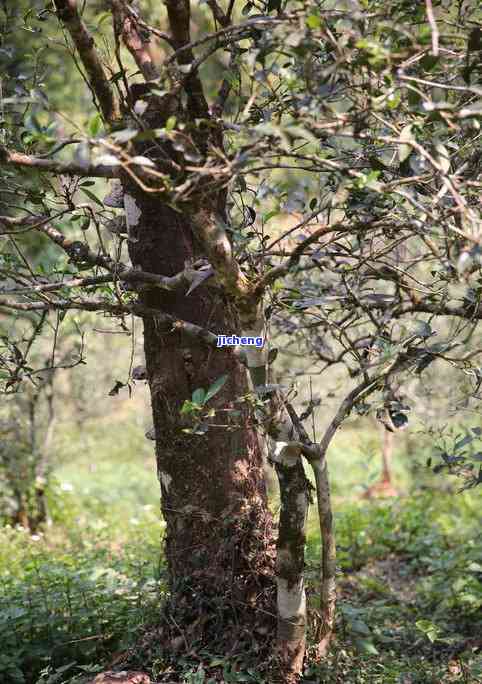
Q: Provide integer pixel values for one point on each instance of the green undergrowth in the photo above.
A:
(410, 580)
(69, 599)
(74, 599)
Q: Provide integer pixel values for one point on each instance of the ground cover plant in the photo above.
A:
(74, 600)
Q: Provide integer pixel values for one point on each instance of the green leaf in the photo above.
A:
(216, 662)
(425, 34)
(95, 125)
(125, 135)
(428, 62)
(393, 100)
(430, 630)
(91, 196)
(269, 215)
(142, 161)
(366, 646)
(313, 21)
(358, 626)
(107, 160)
(443, 157)
(405, 149)
(461, 443)
(215, 387)
(187, 407)
(170, 123)
(422, 329)
(102, 17)
(199, 396)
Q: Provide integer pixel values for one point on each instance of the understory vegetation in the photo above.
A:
(77, 598)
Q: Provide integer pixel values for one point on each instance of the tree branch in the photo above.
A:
(126, 26)
(83, 41)
(239, 28)
(218, 13)
(220, 254)
(176, 325)
(179, 14)
(283, 269)
(11, 158)
(189, 278)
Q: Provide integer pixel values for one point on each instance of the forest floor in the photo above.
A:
(73, 600)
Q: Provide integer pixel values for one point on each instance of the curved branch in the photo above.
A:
(239, 28)
(283, 269)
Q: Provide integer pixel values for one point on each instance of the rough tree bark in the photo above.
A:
(218, 541)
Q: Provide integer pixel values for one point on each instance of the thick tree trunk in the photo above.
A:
(218, 544)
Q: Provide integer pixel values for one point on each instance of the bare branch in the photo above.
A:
(83, 41)
(9, 157)
(58, 285)
(179, 14)
(147, 27)
(433, 26)
(78, 251)
(172, 323)
(238, 28)
(181, 281)
(282, 270)
(218, 13)
(134, 38)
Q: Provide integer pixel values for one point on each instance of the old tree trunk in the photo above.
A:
(218, 540)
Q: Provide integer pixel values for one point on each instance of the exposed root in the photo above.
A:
(227, 610)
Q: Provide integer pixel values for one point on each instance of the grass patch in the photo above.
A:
(73, 600)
